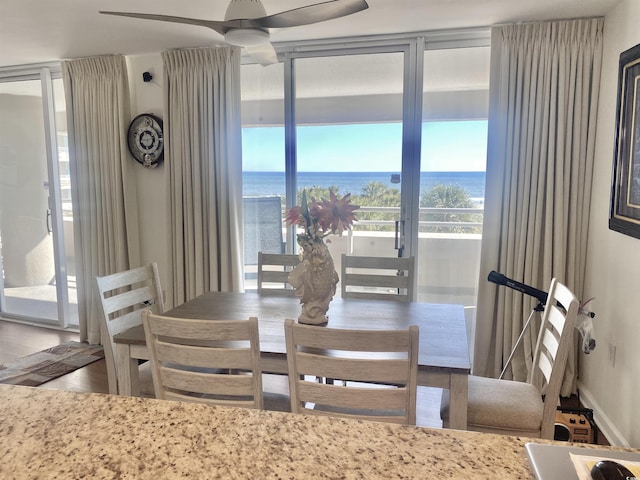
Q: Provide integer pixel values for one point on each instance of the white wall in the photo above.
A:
(146, 97)
(613, 265)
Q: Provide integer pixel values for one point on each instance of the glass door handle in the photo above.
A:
(48, 221)
(399, 237)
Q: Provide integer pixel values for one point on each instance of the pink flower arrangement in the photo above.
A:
(322, 218)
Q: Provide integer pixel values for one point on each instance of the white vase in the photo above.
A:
(315, 280)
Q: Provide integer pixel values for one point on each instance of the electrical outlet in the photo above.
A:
(612, 355)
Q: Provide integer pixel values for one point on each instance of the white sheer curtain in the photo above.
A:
(105, 211)
(204, 169)
(545, 80)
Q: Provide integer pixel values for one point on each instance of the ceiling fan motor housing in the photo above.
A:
(244, 10)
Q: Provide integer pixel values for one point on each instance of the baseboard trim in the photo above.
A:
(35, 323)
(606, 426)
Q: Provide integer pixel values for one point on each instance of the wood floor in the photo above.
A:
(18, 340)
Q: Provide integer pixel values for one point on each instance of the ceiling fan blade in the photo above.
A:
(310, 14)
(264, 54)
(220, 27)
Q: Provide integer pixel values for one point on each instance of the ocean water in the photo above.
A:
(273, 183)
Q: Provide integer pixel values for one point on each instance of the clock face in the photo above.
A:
(145, 140)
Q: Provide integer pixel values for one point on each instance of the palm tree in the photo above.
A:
(377, 194)
(448, 196)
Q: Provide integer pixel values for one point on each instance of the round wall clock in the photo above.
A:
(145, 140)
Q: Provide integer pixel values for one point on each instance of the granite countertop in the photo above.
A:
(47, 434)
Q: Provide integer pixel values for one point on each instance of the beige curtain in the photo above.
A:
(102, 178)
(204, 169)
(544, 89)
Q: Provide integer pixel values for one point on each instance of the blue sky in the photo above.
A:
(446, 147)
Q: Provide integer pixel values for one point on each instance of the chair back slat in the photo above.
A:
(233, 402)
(201, 330)
(550, 343)
(354, 369)
(204, 356)
(140, 297)
(127, 277)
(207, 383)
(545, 364)
(393, 399)
(379, 417)
(357, 340)
(557, 320)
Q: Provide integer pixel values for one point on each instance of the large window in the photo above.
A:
(401, 125)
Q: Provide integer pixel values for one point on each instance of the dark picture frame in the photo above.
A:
(625, 190)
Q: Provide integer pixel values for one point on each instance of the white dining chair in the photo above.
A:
(273, 273)
(123, 297)
(526, 408)
(208, 361)
(379, 278)
(378, 367)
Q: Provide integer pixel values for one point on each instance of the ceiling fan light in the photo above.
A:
(246, 37)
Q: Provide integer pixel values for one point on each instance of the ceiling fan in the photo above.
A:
(246, 23)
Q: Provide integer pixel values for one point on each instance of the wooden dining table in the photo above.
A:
(443, 359)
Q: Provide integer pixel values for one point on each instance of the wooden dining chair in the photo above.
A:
(379, 278)
(527, 408)
(378, 367)
(208, 361)
(273, 273)
(123, 297)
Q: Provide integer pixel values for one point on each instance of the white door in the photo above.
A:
(35, 202)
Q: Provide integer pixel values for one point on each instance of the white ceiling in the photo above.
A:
(35, 31)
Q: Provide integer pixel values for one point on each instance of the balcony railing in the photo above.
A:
(448, 251)
(423, 224)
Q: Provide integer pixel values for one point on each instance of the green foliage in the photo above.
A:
(377, 194)
(318, 193)
(448, 196)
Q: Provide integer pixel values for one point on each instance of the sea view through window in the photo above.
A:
(272, 183)
(453, 153)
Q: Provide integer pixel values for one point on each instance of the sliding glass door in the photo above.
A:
(264, 188)
(452, 172)
(36, 239)
(348, 112)
(400, 123)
